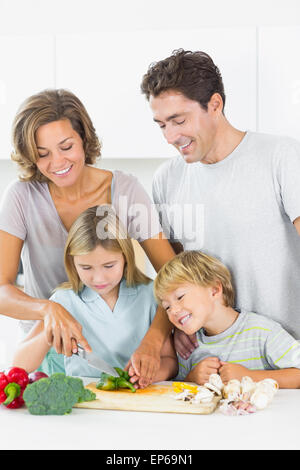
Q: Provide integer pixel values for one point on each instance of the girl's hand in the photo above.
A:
(184, 344)
(229, 371)
(201, 372)
(62, 331)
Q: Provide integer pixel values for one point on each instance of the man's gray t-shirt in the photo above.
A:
(28, 212)
(241, 210)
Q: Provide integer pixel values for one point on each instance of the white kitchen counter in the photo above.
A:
(276, 427)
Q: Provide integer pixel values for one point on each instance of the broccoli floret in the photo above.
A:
(55, 395)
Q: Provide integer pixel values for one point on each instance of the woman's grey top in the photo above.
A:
(28, 212)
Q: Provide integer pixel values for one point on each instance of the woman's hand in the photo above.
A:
(143, 365)
(184, 344)
(62, 331)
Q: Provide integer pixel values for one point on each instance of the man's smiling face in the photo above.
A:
(185, 124)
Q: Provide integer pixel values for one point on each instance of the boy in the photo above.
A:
(196, 292)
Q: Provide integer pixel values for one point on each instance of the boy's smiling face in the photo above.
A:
(191, 307)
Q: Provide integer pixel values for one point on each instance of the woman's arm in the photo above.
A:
(168, 362)
(13, 302)
(31, 351)
(158, 249)
(60, 326)
(146, 359)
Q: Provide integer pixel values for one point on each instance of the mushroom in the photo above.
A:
(232, 389)
(204, 395)
(260, 399)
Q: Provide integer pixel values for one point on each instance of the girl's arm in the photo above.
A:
(286, 378)
(32, 350)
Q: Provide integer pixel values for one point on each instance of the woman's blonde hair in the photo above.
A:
(196, 268)
(99, 225)
(43, 108)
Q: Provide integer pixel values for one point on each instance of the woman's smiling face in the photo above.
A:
(61, 152)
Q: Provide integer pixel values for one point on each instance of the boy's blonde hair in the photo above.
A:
(99, 225)
(196, 268)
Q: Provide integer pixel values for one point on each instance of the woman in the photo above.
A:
(55, 145)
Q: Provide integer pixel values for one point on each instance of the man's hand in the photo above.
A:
(184, 344)
(143, 365)
(62, 331)
(229, 371)
(201, 372)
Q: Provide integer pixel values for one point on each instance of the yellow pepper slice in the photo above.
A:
(178, 387)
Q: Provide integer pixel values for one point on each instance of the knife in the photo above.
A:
(95, 361)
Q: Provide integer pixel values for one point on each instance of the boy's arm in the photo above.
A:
(32, 350)
(282, 354)
(286, 378)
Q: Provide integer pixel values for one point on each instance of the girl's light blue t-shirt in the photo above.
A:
(112, 335)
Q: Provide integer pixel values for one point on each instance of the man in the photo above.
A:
(247, 184)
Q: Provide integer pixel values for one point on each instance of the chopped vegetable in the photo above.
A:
(181, 386)
(109, 382)
(12, 385)
(55, 395)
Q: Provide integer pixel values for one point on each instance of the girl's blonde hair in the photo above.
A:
(42, 108)
(196, 268)
(99, 225)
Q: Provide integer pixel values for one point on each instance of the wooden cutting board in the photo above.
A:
(156, 398)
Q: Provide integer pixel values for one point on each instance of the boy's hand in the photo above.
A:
(200, 374)
(229, 371)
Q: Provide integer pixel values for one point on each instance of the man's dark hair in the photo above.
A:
(194, 74)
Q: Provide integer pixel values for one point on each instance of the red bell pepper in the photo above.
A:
(12, 386)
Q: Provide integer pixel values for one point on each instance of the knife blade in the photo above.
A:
(95, 361)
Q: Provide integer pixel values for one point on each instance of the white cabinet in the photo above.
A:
(26, 67)
(105, 71)
(279, 81)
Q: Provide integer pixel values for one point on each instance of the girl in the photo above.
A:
(110, 297)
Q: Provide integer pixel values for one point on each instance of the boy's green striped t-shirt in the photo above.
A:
(254, 341)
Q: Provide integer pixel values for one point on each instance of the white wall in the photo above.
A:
(276, 39)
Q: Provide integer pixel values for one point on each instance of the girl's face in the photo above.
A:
(101, 270)
(61, 153)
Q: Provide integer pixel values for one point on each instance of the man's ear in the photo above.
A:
(215, 103)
